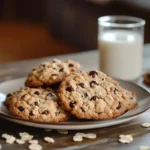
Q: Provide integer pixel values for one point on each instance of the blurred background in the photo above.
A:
(38, 28)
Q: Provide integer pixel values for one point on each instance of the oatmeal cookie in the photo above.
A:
(52, 72)
(92, 95)
(36, 104)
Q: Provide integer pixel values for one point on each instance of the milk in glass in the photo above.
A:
(121, 53)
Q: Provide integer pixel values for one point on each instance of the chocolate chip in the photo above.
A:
(81, 85)
(103, 79)
(72, 104)
(36, 93)
(82, 109)
(59, 103)
(23, 96)
(133, 98)
(33, 69)
(70, 65)
(93, 73)
(93, 83)
(100, 113)
(85, 95)
(43, 65)
(36, 104)
(45, 112)
(57, 113)
(54, 61)
(94, 98)
(8, 95)
(54, 75)
(31, 113)
(119, 105)
(61, 70)
(21, 108)
(115, 91)
(69, 89)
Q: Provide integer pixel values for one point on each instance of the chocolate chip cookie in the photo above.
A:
(92, 95)
(146, 77)
(52, 72)
(131, 98)
(40, 105)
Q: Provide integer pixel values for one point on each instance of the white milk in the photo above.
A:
(121, 54)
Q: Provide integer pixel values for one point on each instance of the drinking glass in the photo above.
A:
(120, 43)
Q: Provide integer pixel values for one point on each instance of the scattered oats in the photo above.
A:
(125, 138)
(26, 137)
(62, 131)
(90, 136)
(80, 134)
(146, 125)
(122, 136)
(23, 133)
(144, 148)
(49, 139)
(35, 147)
(48, 130)
(33, 141)
(20, 141)
(122, 141)
(77, 138)
(0, 146)
(5, 135)
(10, 139)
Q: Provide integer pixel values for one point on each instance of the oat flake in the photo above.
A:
(77, 138)
(90, 136)
(62, 131)
(145, 125)
(49, 139)
(20, 141)
(33, 141)
(35, 147)
(125, 138)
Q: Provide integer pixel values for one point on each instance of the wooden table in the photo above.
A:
(107, 138)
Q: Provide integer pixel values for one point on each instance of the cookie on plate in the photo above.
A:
(92, 95)
(40, 105)
(52, 72)
(146, 77)
(131, 98)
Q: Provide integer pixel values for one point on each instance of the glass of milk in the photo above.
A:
(120, 43)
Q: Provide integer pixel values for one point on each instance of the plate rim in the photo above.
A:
(76, 124)
(67, 127)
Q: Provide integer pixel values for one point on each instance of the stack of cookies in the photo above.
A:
(55, 91)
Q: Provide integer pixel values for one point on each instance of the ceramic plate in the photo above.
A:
(143, 105)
